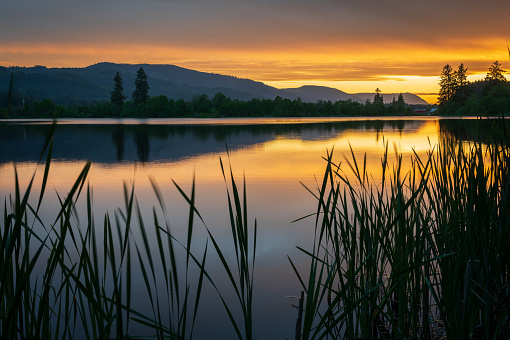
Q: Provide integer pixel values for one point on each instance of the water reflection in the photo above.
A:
(142, 144)
(118, 139)
(275, 158)
(470, 130)
(152, 143)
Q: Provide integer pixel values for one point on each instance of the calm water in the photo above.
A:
(274, 155)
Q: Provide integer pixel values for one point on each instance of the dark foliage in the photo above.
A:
(206, 107)
(117, 96)
(488, 97)
(141, 92)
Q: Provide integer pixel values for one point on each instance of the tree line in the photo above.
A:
(458, 96)
(142, 105)
(202, 106)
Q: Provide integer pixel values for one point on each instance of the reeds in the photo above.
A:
(420, 254)
(84, 288)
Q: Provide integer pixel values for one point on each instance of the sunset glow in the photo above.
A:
(283, 160)
(130, 200)
(353, 47)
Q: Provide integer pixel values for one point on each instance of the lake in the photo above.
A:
(277, 158)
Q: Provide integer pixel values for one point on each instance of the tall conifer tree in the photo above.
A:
(461, 76)
(117, 96)
(494, 77)
(495, 73)
(141, 92)
(378, 98)
(461, 89)
(447, 84)
(401, 104)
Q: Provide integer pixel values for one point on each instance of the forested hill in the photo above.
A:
(315, 93)
(94, 83)
(409, 98)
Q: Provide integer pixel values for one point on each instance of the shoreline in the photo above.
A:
(227, 121)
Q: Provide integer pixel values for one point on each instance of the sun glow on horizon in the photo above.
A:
(390, 67)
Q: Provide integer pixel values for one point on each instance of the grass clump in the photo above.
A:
(421, 253)
(74, 281)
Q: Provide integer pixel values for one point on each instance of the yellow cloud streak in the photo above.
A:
(352, 67)
(389, 55)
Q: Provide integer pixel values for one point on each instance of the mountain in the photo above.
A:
(312, 94)
(93, 84)
(177, 82)
(409, 98)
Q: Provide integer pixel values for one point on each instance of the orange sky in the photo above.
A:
(397, 45)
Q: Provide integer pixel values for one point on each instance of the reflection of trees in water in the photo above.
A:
(10, 131)
(246, 135)
(142, 144)
(224, 132)
(483, 130)
(219, 132)
(93, 141)
(118, 138)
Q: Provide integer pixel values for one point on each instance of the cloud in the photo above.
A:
(267, 40)
(245, 24)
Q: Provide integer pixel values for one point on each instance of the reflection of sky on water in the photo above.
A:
(150, 143)
(274, 159)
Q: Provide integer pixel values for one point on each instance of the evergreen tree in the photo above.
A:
(461, 91)
(447, 85)
(117, 96)
(401, 104)
(460, 76)
(494, 77)
(378, 98)
(141, 92)
(378, 107)
(495, 73)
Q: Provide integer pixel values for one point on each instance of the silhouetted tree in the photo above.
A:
(378, 98)
(447, 85)
(141, 92)
(117, 96)
(461, 90)
(460, 76)
(378, 107)
(495, 73)
(493, 77)
(401, 104)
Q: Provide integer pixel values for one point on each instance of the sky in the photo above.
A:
(355, 46)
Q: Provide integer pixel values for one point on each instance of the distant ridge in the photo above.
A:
(409, 98)
(94, 83)
(309, 93)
